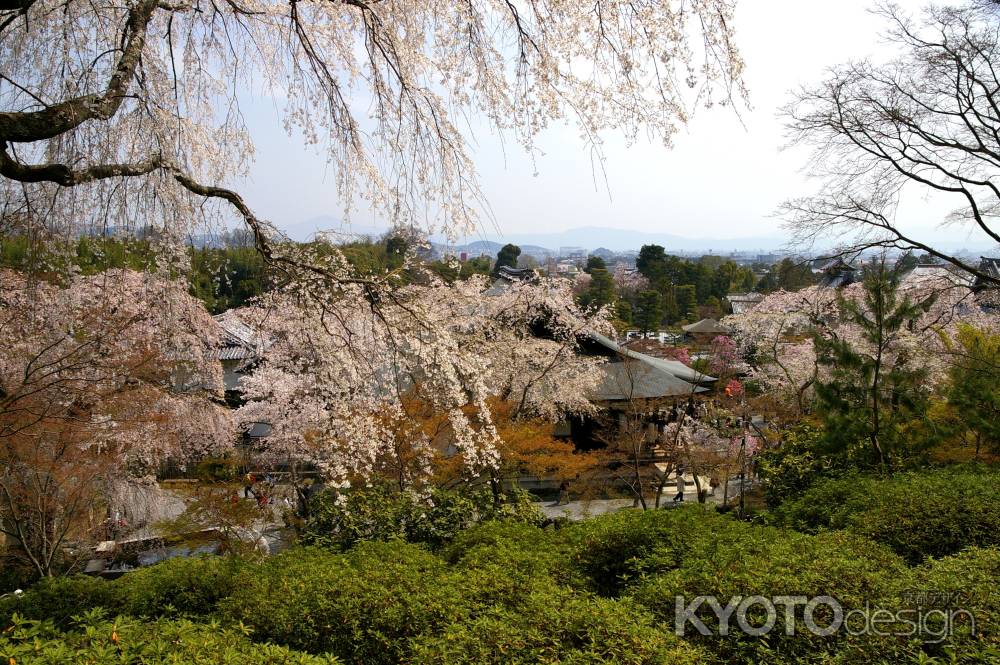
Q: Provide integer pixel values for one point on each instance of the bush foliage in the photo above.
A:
(383, 513)
(97, 639)
(600, 591)
(918, 514)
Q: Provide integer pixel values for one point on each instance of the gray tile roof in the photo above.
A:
(635, 379)
(709, 326)
(674, 367)
(240, 341)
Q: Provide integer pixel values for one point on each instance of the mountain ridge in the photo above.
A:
(585, 237)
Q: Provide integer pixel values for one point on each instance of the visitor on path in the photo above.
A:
(563, 493)
(248, 481)
(680, 486)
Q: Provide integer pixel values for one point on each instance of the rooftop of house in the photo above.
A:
(634, 375)
(634, 379)
(990, 266)
(706, 327)
(838, 265)
(938, 271)
(506, 276)
(745, 297)
(240, 340)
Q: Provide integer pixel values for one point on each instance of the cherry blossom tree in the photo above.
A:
(775, 337)
(130, 113)
(101, 379)
(346, 385)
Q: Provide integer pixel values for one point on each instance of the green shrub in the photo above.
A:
(551, 625)
(14, 573)
(381, 513)
(515, 505)
(520, 550)
(966, 581)
(790, 469)
(130, 642)
(176, 587)
(214, 469)
(60, 598)
(363, 605)
(384, 513)
(182, 586)
(918, 514)
(614, 550)
(737, 559)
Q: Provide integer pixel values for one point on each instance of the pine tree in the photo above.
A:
(872, 392)
(650, 312)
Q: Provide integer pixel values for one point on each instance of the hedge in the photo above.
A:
(931, 513)
(733, 559)
(556, 625)
(126, 641)
(363, 605)
(176, 587)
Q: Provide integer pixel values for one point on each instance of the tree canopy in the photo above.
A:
(121, 114)
(924, 123)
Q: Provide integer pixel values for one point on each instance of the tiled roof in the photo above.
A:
(240, 341)
(673, 367)
(926, 272)
(709, 326)
(635, 379)
(990, 266)
(236, 353)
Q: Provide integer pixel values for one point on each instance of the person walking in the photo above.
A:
(563, 493)
(679, 497)
(248, 481)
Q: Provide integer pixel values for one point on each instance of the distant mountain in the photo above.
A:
(476, 248)
(543, 244)
(622, 240)
(491, 248)
(591, 238)
(308, 228)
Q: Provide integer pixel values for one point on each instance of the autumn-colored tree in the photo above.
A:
(101, 380)
(384, 412)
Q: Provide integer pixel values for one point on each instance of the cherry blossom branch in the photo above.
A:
(59, 118)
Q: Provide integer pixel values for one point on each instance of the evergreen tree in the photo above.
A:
(650, 311)
(594, 263)
(687, 301)
(479, 265)
(507, 256)
(624, 311)
(871, 393)
(652, 263)
(395, 251)
(601, 291)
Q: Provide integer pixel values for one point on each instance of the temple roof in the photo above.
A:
(706, 326)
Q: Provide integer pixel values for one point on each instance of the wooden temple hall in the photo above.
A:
(635, 385)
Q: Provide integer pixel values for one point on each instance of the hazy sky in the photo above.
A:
(722, 179)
